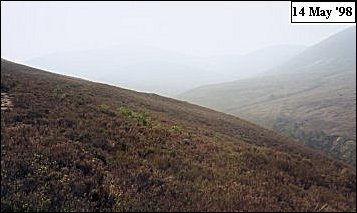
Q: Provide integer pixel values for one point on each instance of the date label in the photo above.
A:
(322, 12)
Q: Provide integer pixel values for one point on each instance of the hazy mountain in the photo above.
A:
(141, 68)
(164, 72)
(72, 145)
(312, 97)
(333, 54)
(236, 67)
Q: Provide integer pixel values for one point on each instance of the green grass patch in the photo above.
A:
(140, 117)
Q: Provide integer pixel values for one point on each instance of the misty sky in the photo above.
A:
(32, 29)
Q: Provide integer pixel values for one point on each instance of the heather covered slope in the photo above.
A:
(74, 145)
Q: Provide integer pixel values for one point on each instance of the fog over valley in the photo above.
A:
(165, 48)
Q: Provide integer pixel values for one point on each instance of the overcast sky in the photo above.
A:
(32, 29)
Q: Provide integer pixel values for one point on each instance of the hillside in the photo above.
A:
(311, 98)
(73, 145)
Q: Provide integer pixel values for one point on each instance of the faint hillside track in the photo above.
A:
(6, 101)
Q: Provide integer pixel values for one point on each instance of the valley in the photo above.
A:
(311, 98)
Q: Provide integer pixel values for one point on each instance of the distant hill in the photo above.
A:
(73, 145)
(161, 71)
(311, 98)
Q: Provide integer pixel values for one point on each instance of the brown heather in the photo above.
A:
(74, 145)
